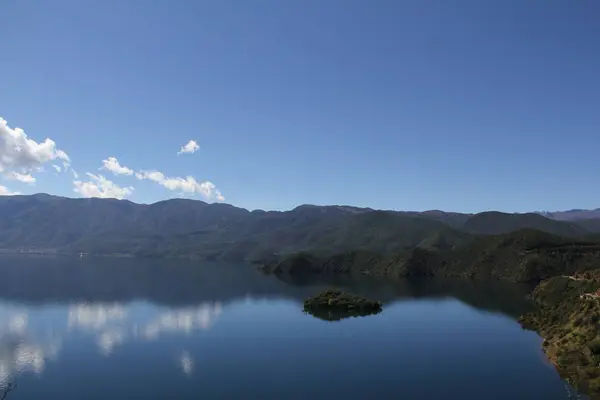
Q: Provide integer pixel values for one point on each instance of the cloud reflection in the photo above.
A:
(104, 318)
(108, 340)
(20, 352)
(114, 324)
(27, 348)
(18, 323)
(95, 316)
(185, 321)
(187, 363)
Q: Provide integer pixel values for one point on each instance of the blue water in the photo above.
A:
(123, 329)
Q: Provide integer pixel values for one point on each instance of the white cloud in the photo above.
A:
(101, 187)
(4, 191)
(191, 147)
(112, 164)
(19, 153)
(155, 176)
(186, 185)
(21, 157)
(15, 176)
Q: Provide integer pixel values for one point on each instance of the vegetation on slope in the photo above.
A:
(569, 322)
(522, 256)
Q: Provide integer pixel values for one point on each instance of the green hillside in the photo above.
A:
(522, 256)
(570, 326)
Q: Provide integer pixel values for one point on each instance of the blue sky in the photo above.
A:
(462, 106)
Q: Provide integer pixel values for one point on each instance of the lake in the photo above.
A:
(125, 328)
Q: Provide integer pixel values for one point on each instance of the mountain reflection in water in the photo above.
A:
(174, 283)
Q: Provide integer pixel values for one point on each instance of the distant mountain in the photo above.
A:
(493, 223)
(196, 229)
(591, 225)
(190, 228)
(455, 220)
(572, 215)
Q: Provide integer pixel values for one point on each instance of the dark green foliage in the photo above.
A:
(569, 326)
(522, 256)
(333, 299)
(594, 346)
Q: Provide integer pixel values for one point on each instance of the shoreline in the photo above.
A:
(568, 325)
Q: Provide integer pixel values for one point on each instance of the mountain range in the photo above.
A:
(43, 223)
(572, 215)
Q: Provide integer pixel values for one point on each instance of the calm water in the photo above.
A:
(122, 329)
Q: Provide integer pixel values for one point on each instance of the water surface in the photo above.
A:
(125, 328)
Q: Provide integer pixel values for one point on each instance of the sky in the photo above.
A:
(403, 104)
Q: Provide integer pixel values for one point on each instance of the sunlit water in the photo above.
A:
(123, 329)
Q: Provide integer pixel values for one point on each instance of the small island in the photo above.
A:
(338, 300)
